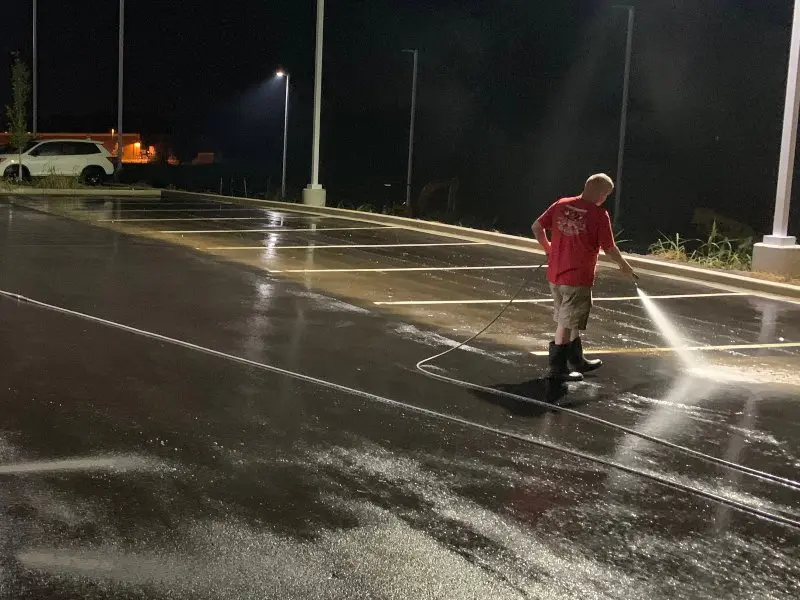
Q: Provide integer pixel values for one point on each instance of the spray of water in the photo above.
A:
(686, 391)
(668, 330)
(100, 463)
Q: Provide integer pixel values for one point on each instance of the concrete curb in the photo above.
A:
(642, 264)
(717, 278)
(154, 193)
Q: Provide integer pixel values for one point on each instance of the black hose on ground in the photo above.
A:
(739, 506)
(795, 485)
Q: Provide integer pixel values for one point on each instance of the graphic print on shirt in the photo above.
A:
(571, 221)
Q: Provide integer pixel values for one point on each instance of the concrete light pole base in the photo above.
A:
(314, 196)
(777, 254)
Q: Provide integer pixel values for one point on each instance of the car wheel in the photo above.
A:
(11, 173)
(93, 175)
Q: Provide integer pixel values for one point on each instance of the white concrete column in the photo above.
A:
(314, 194)
(779, 252)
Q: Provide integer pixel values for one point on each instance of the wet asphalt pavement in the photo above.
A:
(142, 467)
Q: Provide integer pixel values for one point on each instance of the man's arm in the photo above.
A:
(541, 236)
(614, 254)
(609, 246)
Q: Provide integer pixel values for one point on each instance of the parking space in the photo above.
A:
(278, 401)
(451, 284)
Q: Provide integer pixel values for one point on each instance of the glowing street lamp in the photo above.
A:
(280, 75)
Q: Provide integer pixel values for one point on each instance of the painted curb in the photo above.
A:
(154, 193)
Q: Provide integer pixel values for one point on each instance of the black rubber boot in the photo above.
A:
(558, 364)
(576, 360)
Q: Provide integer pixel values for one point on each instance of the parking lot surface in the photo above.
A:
(206, 400)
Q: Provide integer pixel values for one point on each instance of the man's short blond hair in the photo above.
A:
(599, 181)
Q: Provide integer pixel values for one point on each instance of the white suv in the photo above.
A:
(86, 159)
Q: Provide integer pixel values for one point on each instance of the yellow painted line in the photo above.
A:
(135, 201)
(548, 300)
(159, 207)
(409, 269)
(264, 218)
(683, 348)
(275, 229)
(178, 210)
(156, 208)
(322, 246)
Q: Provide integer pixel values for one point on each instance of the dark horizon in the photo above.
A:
(518, 100)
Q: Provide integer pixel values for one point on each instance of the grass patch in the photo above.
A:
(57, 182)
(716, 252)
(671, 248)
(49, 182)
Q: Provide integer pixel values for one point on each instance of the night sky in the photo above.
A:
(519, 99)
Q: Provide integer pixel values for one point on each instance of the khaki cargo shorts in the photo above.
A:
(571, 306)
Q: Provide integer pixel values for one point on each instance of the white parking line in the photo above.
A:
(321, 246)
(276, 229)
(548, 300)
(409, 269)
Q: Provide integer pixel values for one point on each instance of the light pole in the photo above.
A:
(288, 77)
(35, 71)
(623, 121)
(780, 226)
(119, 93)
(314, 194)
(415, 52)
(779, 252)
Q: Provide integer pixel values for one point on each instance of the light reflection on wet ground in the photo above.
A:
(257, 485)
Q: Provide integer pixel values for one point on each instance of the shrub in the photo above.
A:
(718, 251)
(671, 249)
(722, 252)
(57, 182)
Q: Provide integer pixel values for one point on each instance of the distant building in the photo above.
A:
(204, 158)
(134, 151)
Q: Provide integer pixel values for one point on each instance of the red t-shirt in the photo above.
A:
(579, 229)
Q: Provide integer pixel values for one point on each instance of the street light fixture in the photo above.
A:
(119, 91)
(623, 121)
(35, 71)
(280, 75)
(314, 194)
(415, 52)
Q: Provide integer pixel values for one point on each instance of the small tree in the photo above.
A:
(17, 113)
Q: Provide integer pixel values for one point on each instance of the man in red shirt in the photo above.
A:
(580, 227)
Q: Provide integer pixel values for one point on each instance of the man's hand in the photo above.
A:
(615, 255)
(628, 270)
